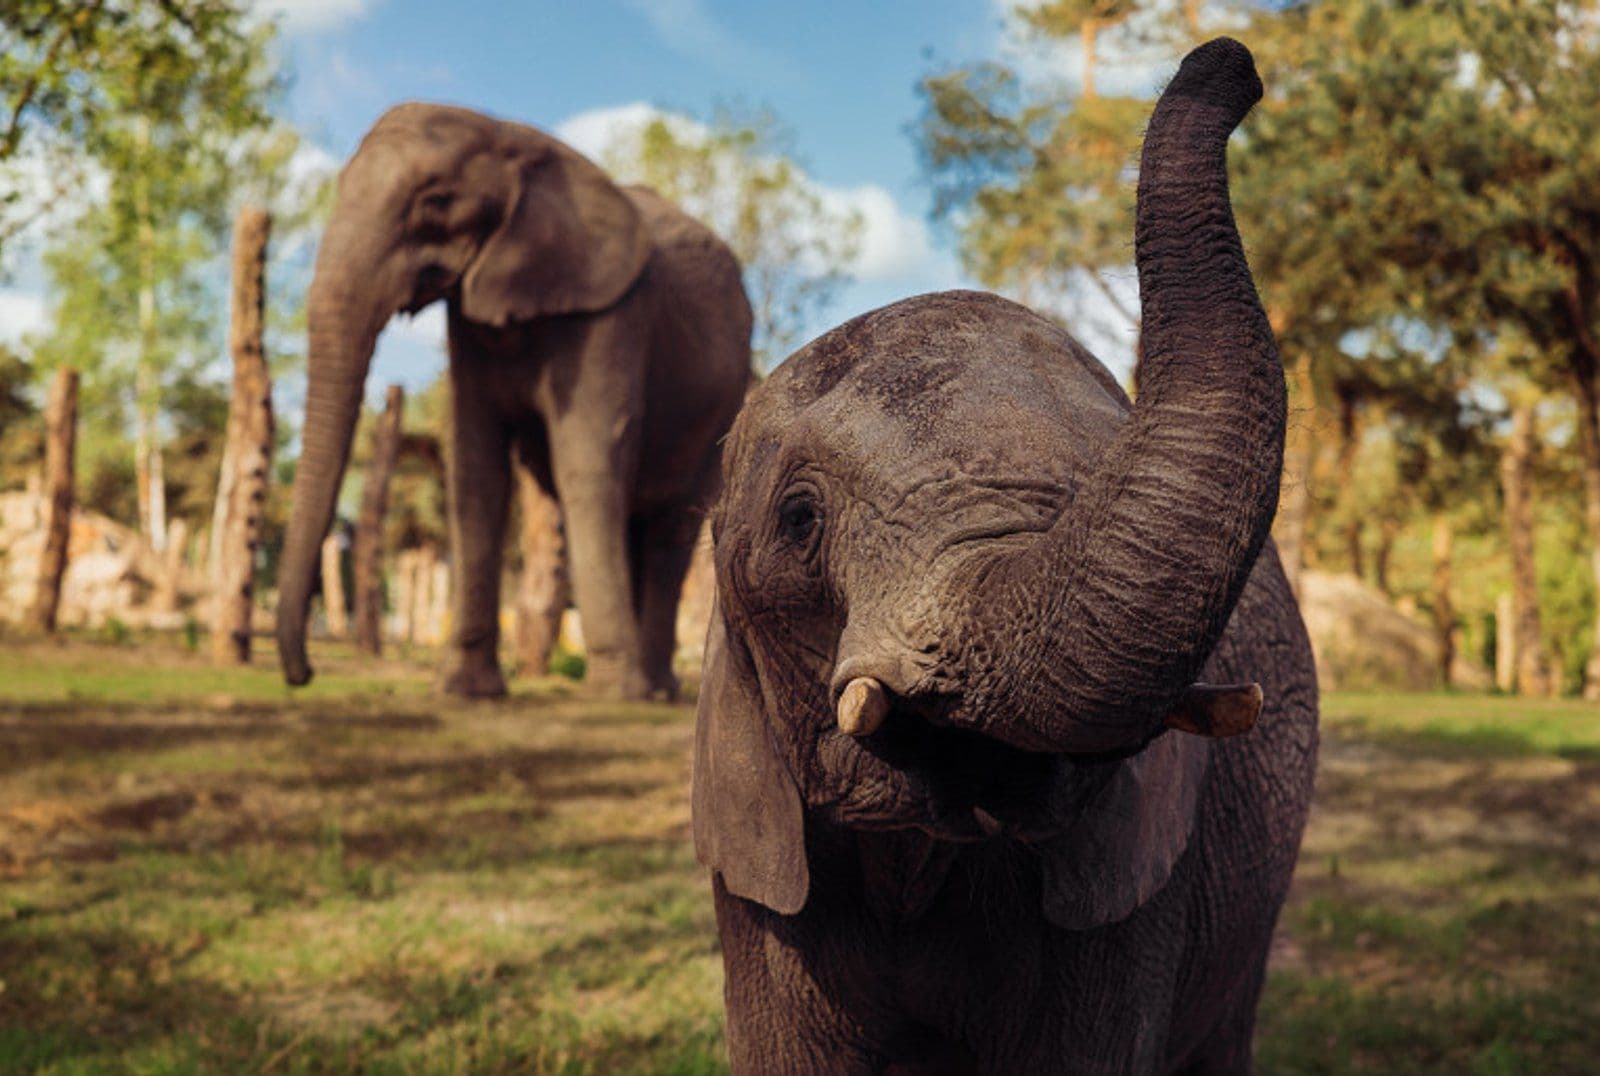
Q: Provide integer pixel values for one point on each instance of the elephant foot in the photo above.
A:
(615, 679)
(474, 682)
(663, 688)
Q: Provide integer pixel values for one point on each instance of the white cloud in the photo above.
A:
(312, 16)
(21, 313)
(894, 244)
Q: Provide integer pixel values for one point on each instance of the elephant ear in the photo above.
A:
(1125, 841)
(747, 816)
(571, 241)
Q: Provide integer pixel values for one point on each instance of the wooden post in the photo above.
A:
(369, 528)
(333, 601)
(249, 443)
(61, 426)
(1505, 645)
(543, 591)
(1444, 613)
(1516, 480)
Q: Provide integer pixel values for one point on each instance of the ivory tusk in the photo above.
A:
(1217, 710)
(862, 707)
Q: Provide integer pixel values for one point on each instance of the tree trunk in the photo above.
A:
(1091, 29)
(1294, 507)
(369, 528)
(333, 599)
(1505, 644)
(61, 426)
(1444, 613)
(1516, 479)
(543, 592)
(1388, 531)
(1587, 392)
(1349, 448)
(249, 444)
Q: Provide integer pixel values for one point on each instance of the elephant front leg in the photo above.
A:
(594, 505)
(480, 490)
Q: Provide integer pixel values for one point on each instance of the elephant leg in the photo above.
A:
(480, 492)
(594, 507)
(664, 545)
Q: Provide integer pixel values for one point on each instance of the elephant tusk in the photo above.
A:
(862, 707)
(1217, 710)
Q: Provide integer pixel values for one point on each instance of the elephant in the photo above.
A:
(1008, 727)
(595, 332)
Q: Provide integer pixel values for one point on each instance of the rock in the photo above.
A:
(1362, 640)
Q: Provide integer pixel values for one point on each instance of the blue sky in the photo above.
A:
(841, 75)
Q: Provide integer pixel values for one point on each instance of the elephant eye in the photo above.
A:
(798, 518)
(438, 202)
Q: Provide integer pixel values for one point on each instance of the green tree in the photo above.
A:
(738, 175)
(85, 82)
(173, 117)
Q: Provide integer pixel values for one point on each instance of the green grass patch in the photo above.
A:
(203, 872)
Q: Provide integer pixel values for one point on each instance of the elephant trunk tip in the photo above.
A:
(1220, 72)
(292, 658)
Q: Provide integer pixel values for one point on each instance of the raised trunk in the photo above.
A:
(343, 331)
(1444, 613)
(369, 527)
(249, 445)
(61, 432)
(1131, 589)
(1516, 479)
(543, 592)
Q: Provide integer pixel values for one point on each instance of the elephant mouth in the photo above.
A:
(964, 786)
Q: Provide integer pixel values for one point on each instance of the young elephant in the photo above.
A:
(964, 589)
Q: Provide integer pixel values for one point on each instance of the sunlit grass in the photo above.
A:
(201, 872)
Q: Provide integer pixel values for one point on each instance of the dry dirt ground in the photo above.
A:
(202, 872)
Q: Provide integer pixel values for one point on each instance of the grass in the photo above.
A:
(201, 872)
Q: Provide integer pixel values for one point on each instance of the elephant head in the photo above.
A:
(438, 202)
(965, 586)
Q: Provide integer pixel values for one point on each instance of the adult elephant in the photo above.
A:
(959, 766)
(595, 331)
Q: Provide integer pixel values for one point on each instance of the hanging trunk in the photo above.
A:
(342, 333)
(1444, 613)
(543, 592)
(1294, 511)
(249, 444)
(1516, 479)
(1587, 391)
(61, 433)
(369, 527)
(334, 603)
(1135, 583)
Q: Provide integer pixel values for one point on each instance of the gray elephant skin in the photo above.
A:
(965, 587)
(595, 332)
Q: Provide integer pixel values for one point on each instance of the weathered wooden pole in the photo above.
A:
(543, 591)
(249, 442)
(1516, 481)
(61, 436)
(333, 601)
(369, 527)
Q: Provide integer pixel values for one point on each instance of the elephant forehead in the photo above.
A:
(958, 380)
